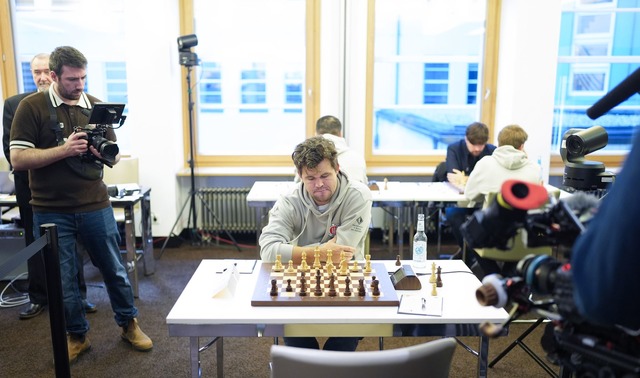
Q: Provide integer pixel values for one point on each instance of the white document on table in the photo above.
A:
(417, 304)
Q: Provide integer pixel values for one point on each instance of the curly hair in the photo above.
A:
(312, 152)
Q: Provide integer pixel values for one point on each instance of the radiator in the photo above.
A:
(226, 209)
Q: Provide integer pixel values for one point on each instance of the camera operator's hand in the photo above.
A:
(75, 145)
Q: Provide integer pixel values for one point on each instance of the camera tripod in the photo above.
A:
(192, 225)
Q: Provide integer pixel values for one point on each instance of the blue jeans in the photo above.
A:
(343, 344)
(98, 232)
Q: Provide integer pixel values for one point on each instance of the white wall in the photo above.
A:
(530, 33)
(155, 103)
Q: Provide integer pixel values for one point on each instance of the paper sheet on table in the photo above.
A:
(420, 305)
(224, 285)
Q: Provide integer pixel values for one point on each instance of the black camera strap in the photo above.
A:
(53, 120)
(90, 169)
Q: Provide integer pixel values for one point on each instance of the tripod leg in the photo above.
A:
(173, 227)
(213, 215)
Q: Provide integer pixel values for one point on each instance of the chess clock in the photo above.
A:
(405, 279)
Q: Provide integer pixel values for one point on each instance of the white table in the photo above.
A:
(394, 194)
(197, 313)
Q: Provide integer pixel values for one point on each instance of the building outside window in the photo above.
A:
(252, 79)
(598, 49)
(36, 31)
(427, 67)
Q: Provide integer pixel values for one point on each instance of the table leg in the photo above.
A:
(131, 262)
(259, 211)
(148, 260)
(220, 356)
(401, 234)
(195, 357)
(483, 354)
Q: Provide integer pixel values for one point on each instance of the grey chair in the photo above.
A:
(428, 360)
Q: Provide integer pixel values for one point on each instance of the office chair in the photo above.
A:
(431, 360)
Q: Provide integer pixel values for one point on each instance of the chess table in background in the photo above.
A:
(262, 294)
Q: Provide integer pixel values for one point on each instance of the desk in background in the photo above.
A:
(197, 313)
(132, 255)
(398, 196)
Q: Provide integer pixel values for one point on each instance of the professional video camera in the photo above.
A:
(579, 173)
(521, 205)
(579, 346)
(101, 118)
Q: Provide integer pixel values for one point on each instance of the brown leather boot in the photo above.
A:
(76, 346)
(134, 335)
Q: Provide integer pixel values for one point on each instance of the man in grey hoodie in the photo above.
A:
(326, 210)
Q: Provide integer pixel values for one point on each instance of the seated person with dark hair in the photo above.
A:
(462, 157)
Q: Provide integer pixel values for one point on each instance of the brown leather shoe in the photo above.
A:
(134, 335)
(76, 346)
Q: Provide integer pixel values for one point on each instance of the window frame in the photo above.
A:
(487, 105)
(311, 98)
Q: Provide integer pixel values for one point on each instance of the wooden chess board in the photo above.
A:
(262, 295)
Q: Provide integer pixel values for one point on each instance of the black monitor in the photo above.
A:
(106, 113)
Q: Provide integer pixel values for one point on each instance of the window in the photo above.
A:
(427, 70)
(252, 81)
(472, 86)
(596, 52)
(116, 81)
(211, 88)
(436, 83)
(36, 31)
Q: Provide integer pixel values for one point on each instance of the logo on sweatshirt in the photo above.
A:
(333, 230)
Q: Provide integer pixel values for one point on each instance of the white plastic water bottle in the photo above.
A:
(420, 245)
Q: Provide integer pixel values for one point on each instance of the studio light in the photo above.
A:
(185, 43)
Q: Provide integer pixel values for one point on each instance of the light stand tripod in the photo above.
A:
(190, 59)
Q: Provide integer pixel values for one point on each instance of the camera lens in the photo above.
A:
(587, 141)
(108, 149)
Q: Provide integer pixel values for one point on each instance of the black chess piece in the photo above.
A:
(347, 289)
(318, 291)
(332, 287)
(361, 290)
(274, 288)
(289, 288)
(303, 286)
(398, 263)
(439, 278)
(375, 288)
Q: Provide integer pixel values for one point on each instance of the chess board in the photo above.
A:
(262, 295)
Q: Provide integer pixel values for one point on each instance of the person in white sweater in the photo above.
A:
(508, 161)
(351, 162)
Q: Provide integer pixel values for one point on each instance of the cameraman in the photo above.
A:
(68, 190)
(606, 257)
